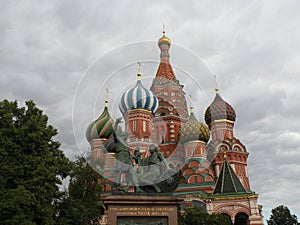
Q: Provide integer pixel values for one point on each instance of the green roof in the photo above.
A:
(203, 194)
(228, 182)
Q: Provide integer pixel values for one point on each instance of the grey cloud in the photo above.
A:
(45, 47)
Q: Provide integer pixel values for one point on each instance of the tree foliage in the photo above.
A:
(31, 165)
(81, 204)
(195, 216)
(281, 215)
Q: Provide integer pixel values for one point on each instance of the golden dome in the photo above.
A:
(164, 39)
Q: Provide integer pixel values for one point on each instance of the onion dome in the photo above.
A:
(193, 130)
(219, 110)
(138, 97)
(102, 127)
(164, 39)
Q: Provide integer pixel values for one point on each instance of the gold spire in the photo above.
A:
(191, 104)
(164, 38)
(216, 84)
(139, 71)
(106, 97)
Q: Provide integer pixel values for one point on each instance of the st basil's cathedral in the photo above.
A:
(213, 162)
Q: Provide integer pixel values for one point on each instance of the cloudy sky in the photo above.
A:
(59, 52)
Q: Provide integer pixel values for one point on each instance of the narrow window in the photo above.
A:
(134, 126)
(144, 126)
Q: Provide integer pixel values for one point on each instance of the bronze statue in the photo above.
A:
(124, 163)
(153, 173)
(157, 175)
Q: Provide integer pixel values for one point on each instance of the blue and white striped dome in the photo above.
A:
(138, 98)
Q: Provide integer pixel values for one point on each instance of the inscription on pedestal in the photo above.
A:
(128, 220)
(142, 210)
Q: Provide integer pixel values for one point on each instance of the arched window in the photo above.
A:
(199, 205)
(241, 219)
(225, 214)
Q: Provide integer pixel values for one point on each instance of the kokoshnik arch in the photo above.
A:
(212, 161)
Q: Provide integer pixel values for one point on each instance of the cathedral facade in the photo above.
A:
(212, 160)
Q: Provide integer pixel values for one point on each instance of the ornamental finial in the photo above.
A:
(191, 104)
(139, 71)
(164, 39)
(225, 154)
(106, 97)
(216, 84)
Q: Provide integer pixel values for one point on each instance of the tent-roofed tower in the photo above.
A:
(231, 198)
(228, 182)
(172, 110)
(165, 69)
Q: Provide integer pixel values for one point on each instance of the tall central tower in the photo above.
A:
(172, 110)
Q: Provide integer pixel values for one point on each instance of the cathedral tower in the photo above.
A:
(197, 174)
(220, 117)
(138, 105)
(172, 110)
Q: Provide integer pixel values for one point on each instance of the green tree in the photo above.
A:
(31, 165)
(281, 215)
(194, 216)
(81, 204)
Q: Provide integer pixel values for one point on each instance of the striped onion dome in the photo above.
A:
(219, 110)
(193, 130)
(101, 128)
(138, 97)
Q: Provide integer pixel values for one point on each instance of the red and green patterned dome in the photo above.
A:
(193, 130)
(219, 110)
(101, 128)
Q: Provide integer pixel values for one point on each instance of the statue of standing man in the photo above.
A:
(124, 163)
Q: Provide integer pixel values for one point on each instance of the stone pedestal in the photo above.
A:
(141, 209)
